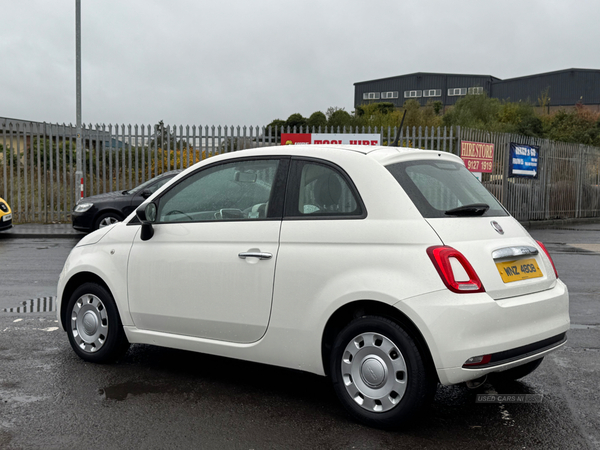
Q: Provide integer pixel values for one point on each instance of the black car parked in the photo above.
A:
(101, 210)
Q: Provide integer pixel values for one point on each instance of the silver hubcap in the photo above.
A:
(89, 323)
(107, 221)
(374, 372)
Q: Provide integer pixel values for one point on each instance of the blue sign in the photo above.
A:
(523, 160)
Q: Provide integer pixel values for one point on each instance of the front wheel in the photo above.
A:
(107, 219)
(379, 374)
(94, 326)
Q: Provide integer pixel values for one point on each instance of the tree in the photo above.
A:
(438, 107)
(296, 120)
(276, 126)
(316, 120)
(375, 108)
(519, 118)
(338, 117)
(474, 111)
(164, 138)
(578, 125)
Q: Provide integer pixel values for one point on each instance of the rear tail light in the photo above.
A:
(477, 360)
(455, 271)
(543, 247)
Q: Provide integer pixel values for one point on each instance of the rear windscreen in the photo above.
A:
(438, 187)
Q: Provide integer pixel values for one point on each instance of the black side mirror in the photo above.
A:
(147, 215)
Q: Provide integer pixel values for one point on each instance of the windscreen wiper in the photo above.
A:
(475, 209)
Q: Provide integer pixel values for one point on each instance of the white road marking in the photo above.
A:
(17, 320)
(588, 247)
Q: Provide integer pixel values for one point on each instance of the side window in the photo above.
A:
(321, 190)
(233, 191)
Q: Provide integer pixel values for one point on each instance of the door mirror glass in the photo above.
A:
(150, 212)
(146, 213)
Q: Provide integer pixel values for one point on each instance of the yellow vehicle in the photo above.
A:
(5, 215)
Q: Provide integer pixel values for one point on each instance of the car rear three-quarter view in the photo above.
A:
(387, 269)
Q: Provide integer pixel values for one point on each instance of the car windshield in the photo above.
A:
(445, 189)
(163, 178)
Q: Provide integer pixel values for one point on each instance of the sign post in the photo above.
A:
(78, 146)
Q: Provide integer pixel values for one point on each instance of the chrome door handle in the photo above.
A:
(259, 255)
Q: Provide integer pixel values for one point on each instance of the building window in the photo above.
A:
(412, 94)
(452, 92)
(390, 94)
(371, 96)
(475, 90)
(432, 93)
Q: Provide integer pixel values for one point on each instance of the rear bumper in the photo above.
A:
(514, 331)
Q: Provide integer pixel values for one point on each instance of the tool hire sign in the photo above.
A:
(478, 156)
(331, 138)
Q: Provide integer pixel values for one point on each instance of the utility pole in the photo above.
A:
(79, 151)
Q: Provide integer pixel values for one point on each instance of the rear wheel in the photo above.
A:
(94, 326)
(379, 374)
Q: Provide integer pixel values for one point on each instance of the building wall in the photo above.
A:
(565, 87)
(423, 87)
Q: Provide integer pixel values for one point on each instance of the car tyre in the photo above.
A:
(94, 326)
(379, 374)
(517, 373)
(107, 219)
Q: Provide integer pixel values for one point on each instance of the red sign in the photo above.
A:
(296, 138)
(478, 156)
(330, 138)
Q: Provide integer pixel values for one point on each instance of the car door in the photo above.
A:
(208, 269)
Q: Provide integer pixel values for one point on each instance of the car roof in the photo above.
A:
(170, 172)
(382, 154)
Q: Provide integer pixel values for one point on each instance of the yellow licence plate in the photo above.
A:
(522, 269)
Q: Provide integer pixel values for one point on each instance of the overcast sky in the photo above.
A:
(247, 62)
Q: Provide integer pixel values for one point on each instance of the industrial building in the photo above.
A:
(550, 90)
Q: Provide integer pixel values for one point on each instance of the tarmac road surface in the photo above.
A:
(164, 398)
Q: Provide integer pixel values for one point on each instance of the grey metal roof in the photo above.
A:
(565, 87)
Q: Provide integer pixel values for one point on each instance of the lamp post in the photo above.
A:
(78, 146)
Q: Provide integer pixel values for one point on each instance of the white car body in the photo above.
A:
(186, 288)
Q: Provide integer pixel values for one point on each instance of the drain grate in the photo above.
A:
(42, 304)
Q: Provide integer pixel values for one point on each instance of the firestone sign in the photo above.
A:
(330, 138)
(478, 156)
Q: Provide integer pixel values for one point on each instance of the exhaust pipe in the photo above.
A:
(477, 382)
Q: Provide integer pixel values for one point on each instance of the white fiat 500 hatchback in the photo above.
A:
(387, 269)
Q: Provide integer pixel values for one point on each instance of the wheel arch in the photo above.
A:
(76, 281)
(345, 314)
